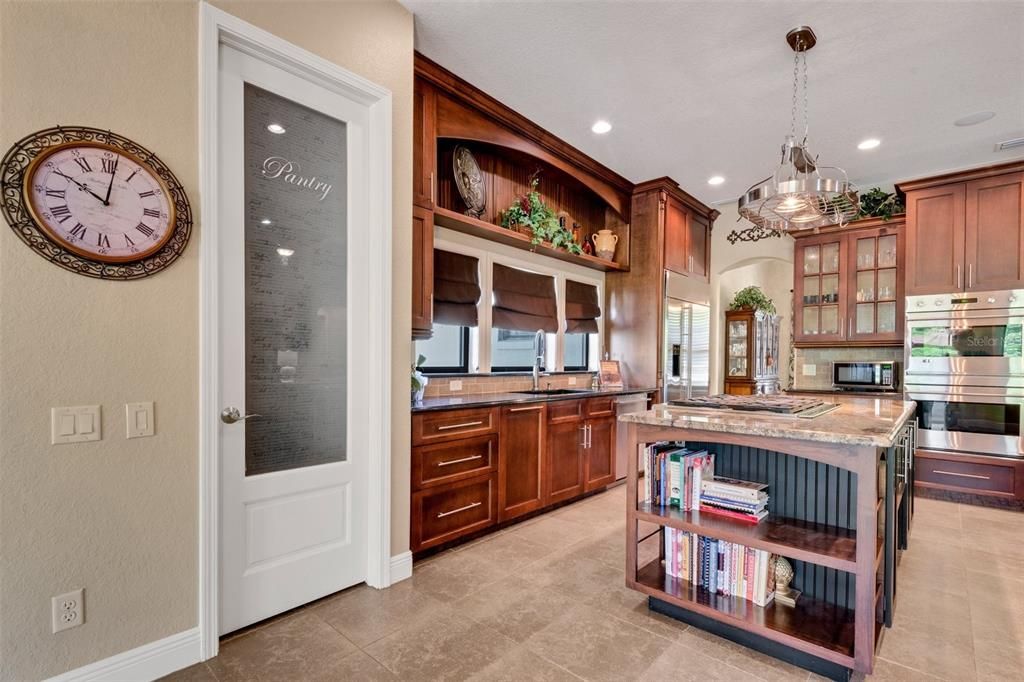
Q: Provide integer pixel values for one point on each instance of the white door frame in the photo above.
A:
(215, 28)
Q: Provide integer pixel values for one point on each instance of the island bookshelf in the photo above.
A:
(832, 510)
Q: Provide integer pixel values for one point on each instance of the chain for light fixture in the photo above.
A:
(801, 194)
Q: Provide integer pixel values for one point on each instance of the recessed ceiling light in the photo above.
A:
(716, 180)
(276, 128)
(869, 143)
(285, 252)
(601, 127)
(974, 119)
(266, 221)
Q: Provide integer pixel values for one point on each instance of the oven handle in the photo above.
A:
(958, 398)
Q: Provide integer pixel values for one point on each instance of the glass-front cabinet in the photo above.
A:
(751, 352)
(848, 285)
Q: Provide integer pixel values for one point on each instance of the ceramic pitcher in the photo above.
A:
(604, 243)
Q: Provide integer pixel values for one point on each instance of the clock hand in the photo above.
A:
(106, 202)
(82, 186)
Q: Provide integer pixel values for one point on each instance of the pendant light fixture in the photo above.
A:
(801, 194)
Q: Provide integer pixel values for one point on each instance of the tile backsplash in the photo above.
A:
(502, 383)
(821, 360)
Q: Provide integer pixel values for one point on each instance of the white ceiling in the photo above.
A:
(695, 89)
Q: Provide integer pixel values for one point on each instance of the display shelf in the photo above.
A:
(820, 544)
(812, 626)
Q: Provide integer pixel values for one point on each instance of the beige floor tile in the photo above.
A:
(554, 532)
(999, 564)
(631, 606)
(574, 573)
(595, 647)
(364, 614)
(300, 647)
(972, 513)
(1000, 660)
(507, 552)
(752, 662)
(946, 576)
(521, 664)
(609, 547)
(450, 647)
(887, 671)
(455, 575)
(194, 673)
(942, 649)
(682, 663)
(924, 602)
(516, 608)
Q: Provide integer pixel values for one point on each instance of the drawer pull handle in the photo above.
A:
(459, 461)
(526, 409)
(441, 515)
(953, 473)
(458, 426)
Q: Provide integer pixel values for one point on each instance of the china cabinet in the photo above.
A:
(751, 352)
(848, 285)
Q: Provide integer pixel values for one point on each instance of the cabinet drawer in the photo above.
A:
(444, 513)
(565, 411)
(453, 461)
(431, 427)
(601, 407)
(973, 474)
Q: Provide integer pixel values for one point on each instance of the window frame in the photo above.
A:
(464, 352)
(586, 355)
(488, 253)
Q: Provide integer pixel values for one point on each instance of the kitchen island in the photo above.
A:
(839, 501)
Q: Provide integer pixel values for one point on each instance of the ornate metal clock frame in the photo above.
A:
(19, 216)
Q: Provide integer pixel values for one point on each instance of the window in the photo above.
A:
(447, 351)
(512, 351)
(577, 352)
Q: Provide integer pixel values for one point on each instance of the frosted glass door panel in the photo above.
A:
(812, 260)
(830, 257)
(829, 319)
(295, 285)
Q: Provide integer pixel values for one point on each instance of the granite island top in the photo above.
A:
(450, 402)
(858, 421)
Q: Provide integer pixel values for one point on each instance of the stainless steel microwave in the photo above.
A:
(866, 376)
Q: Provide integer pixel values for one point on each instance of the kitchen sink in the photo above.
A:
(555, 391)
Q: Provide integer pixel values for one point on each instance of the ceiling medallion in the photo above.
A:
(801, 194)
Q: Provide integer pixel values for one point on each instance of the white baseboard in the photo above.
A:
(147, 662)
(401, 567)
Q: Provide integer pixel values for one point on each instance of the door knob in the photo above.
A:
(230, 415)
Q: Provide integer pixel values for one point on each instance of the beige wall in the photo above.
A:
(119, 517)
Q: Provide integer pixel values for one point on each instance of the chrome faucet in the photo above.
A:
(538, 360)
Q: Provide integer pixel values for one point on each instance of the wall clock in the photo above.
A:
(94, 202)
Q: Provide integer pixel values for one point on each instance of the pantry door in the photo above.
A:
(293, 207)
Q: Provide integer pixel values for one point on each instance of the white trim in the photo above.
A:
(216, 27)
(401, 567)
(147, 662)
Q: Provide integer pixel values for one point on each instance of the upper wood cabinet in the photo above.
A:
(965, 231)
(687, 239)
(424, 145)
(848, 285)
(422, 272)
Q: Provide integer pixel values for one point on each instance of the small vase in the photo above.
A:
(417, 393)
(604, 243)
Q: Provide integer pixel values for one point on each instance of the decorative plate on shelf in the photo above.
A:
(469, 180)
(94, 202)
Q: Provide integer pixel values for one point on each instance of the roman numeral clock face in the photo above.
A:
(100, 202)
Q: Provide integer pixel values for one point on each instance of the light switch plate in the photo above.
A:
(455, 385)
(572, 381)
(139, 418)
(810, 370)
(75, 424)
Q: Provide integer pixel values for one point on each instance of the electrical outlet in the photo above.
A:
(572, 381)
(455, 385)
(68, 610)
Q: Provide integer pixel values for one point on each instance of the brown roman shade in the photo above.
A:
(456, 288)
(582, 308)
(523, 301)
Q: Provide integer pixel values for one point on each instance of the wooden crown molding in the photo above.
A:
(671, 187)
(896, 221)
(961, 176)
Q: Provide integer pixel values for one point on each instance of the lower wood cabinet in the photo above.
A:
(599, 454)
(445, 513)
(521, 460)
(564, 461)
(973, 474)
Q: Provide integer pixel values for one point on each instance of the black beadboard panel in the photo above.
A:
(799, 488)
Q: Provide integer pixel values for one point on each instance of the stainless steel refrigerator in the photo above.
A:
(687, 349)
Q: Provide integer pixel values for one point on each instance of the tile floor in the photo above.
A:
(544, 600)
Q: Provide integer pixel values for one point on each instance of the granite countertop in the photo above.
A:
(489, 399)
(888, 395)
(858, 421)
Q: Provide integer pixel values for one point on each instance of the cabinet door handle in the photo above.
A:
(459, 461)
(526, 409)
(584, 430)
(590, 435)
(953, 473)
(441, 515)
(970, 275)
(958, 285)
(449, 427)
(432, 200)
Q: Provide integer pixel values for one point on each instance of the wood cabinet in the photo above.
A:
(981, 475)
(521, 456)
(599, 453)
(751, 352)
(424, 144)
(965, 231)
(687, 237)
(444, 513)
(422, 273)
(848, 284)
(564, 461)
(668, 227)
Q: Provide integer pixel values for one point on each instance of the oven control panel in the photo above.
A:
(981, 300)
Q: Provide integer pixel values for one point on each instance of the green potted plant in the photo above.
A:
(531, 212)
(877, 203)
(419, 379)
(752, 297)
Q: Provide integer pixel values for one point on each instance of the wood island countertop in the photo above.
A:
(873, 422)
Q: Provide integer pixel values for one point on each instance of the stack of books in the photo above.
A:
(720, 567)
(741, 500)
(673, 475)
